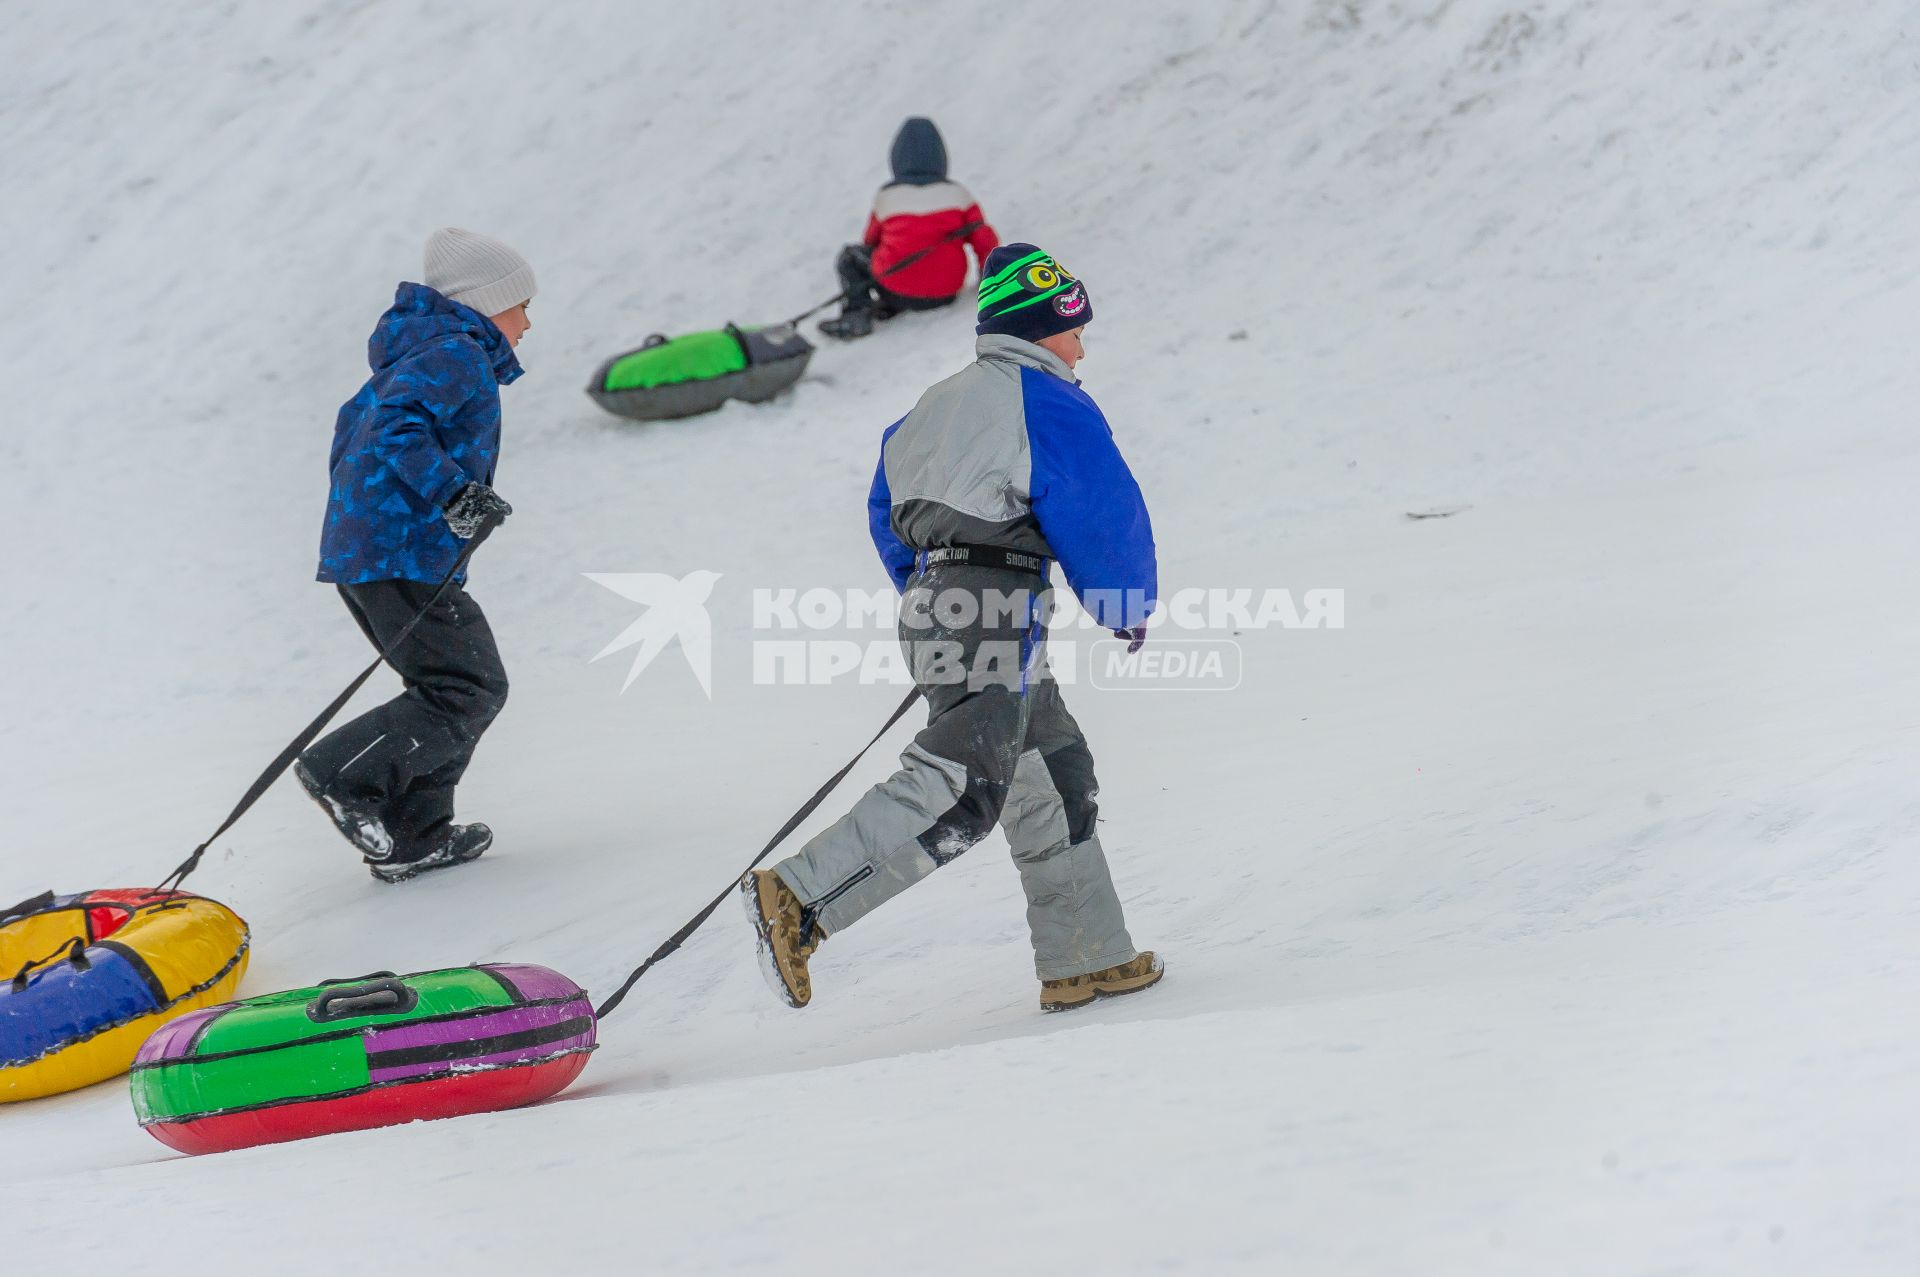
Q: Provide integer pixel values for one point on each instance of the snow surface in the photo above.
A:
(1551, 917)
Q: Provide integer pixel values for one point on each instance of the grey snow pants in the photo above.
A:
(999, 748)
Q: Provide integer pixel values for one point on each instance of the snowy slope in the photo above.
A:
(1553, 916)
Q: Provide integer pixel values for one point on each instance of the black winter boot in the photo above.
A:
(460, 844)
(358, 823)
(849, 324)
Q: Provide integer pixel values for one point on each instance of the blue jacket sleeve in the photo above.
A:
(422, 394)
(1087, 503)
(894, 553)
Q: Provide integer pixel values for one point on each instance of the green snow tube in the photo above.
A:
(686, 376)
(349, 1055)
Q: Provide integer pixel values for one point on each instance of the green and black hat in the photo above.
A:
(1025, 293)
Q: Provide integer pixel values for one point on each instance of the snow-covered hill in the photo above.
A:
(1555, 915)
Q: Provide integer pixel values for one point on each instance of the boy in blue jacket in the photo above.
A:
(412, 478)
(999, 471)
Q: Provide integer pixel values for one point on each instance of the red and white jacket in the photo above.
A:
(908, 218)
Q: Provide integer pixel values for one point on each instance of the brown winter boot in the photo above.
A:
(778, 920)
(1079, 990)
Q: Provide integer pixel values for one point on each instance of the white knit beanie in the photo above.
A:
(477, 270)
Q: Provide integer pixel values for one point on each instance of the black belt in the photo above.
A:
(987, 556)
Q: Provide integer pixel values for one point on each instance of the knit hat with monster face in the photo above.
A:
(1025, 293)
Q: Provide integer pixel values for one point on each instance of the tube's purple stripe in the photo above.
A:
(173, 1039)
(400, 1037)
(526, 1055)
(536, 984)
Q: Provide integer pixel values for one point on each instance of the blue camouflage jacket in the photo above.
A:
(426, 424)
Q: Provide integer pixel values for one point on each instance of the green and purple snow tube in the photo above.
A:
(688, 375)
(350, 1055)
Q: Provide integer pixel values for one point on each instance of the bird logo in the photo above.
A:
(676, 609)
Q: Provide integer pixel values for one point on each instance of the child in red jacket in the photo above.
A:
(912, 256)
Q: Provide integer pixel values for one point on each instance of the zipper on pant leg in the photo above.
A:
(810, 914)
(859, 876)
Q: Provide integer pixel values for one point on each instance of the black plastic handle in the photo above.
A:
(377, 997)
(358, 979)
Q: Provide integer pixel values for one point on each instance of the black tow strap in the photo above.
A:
(951, 237)
(694, 923)
(279, 765)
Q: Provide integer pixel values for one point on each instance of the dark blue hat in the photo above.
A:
(919, 156)
(1025, 293)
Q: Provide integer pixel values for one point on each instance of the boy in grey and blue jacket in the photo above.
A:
(999, 471)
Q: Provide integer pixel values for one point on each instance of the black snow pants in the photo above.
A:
(404, 758)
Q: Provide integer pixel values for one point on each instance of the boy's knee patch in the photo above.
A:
(966, 822)
(1071, 768)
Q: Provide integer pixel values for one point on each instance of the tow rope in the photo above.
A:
(694, 923)
(279, 765)
(951, 237)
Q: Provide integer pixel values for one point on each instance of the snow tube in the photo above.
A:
(686, 376)
(85, 978)
(352, 1055)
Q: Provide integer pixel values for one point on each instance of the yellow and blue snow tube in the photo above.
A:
(85, 978)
